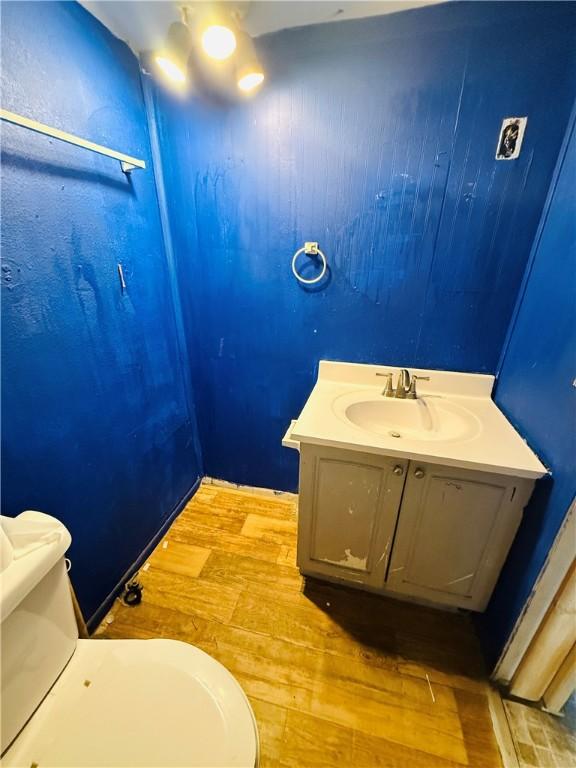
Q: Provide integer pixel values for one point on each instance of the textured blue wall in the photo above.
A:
(377, 139)
(535, 390)
(96, 425)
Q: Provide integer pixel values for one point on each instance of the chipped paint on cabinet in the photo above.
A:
(454, 531)
(419, 531)
(348, 506)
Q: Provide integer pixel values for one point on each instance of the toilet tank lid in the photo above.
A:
(32, 543)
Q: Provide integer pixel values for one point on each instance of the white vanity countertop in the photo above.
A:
(492, 444)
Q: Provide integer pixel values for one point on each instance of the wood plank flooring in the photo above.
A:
(336, 677)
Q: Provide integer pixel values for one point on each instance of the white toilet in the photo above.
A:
(116, 703)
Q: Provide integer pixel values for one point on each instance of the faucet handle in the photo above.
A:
(389, 389)
(411, 395)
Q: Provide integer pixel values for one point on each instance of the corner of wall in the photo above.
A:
(570, 127)
(148, 97)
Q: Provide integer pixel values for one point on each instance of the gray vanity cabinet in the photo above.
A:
(348, 505)
(425, 531)
(454, 531)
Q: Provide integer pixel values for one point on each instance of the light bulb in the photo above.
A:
(218, 42)
(171, 69)
(250, 81)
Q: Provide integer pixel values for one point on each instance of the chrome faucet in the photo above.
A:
(406, 386)
(403, 386)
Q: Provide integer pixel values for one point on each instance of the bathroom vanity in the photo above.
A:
(419, 496)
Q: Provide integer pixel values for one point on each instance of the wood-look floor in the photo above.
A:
(336, 677)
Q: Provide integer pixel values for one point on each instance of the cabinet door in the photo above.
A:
(454, 531)
(347, 511)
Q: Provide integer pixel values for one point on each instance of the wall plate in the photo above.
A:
(510, 138)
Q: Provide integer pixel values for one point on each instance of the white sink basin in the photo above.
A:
(427, 418)
(453, 422)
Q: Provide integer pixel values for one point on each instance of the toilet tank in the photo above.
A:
(38, 627)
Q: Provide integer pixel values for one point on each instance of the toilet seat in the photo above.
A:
(155, 703)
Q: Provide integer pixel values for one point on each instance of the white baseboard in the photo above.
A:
(287, 495)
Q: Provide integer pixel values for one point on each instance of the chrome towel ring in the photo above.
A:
(310, 249)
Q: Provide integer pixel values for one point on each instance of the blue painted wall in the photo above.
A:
(97, 427)
(535, 390)
(377, 139)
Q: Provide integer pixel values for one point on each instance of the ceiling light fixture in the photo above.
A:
(172, 60)
(249, 71)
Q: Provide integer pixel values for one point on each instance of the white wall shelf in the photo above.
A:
(127, 162)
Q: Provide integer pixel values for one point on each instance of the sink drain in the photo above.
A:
(394, 434)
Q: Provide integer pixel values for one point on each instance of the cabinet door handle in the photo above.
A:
(398, 470)
(419, 473)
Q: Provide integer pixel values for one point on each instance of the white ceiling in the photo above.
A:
(143, 24)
